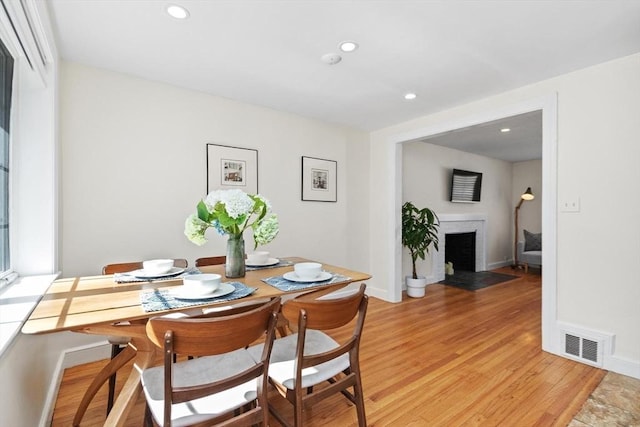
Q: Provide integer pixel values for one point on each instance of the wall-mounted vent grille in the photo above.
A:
(585, 349)
(590, 350)
(572, 345)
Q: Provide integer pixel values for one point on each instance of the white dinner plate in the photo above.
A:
(325, 275)
(224, 289)
(270, 261)
(141, 274)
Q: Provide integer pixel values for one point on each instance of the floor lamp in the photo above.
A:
(527, 195)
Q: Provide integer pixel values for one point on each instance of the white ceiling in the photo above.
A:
(267, 52)
(522, 142)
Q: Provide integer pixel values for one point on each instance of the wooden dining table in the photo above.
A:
(99, 305)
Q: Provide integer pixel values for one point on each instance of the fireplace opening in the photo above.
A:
(460, 249)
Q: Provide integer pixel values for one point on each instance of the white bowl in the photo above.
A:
(157, 266)
(201, 284)
(259, 257)
(307, 270)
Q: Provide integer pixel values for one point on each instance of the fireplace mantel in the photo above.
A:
(460, 223)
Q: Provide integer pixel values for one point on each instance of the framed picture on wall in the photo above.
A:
(232, 167)
(319, 180)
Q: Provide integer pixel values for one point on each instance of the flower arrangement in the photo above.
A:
(231, 212)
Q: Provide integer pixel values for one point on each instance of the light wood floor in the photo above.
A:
(453, 358)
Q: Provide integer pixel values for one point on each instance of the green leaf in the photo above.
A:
(203, 212)
(231, 225)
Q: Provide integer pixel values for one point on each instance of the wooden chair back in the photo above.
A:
(212, 334)
(322, 311)
(123, 267)
(212, 260)
(323, 314)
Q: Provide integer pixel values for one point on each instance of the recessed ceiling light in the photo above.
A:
(504, 130)
(410, 96)
(177, 12)
(348, 46)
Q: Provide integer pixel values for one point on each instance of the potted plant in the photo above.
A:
(419, 231)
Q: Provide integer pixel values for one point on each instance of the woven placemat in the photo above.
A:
(287, 285)
(163, 299)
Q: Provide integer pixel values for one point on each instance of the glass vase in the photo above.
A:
(235, 266)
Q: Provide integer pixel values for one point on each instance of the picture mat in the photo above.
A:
(319, 179)
(219, 155)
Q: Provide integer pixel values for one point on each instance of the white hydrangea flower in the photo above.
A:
(266, 202)
(213, 198)
(266, 231)
(194, 229)
(237, 203)
(232, 212)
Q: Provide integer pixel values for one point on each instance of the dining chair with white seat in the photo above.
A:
(309, 357)
(118, 343)
(224, 383)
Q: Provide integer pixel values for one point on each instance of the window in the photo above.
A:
(6, 79)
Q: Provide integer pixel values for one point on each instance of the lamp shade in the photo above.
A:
(527, 195)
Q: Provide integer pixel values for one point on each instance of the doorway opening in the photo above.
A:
(548, 106)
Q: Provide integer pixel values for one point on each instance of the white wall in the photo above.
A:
(426, 183)
(597, 147)
(133, 168)
(358, 176)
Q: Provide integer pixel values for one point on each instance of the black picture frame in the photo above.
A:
(319, 180)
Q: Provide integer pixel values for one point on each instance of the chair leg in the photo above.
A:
(115, 350)
(148, 418)
(359, 402)
(297, 410)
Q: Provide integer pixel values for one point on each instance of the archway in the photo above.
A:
(548, 106)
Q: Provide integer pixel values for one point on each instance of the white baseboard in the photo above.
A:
(500, 264)
(85, 354)
(68, 358)
(619, 365)
(378, 293)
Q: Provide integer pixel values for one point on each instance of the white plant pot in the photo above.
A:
(415, 287)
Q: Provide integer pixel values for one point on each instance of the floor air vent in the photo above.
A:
(584, 349)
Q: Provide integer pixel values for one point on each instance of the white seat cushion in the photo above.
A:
(198, 371)
(281, 367)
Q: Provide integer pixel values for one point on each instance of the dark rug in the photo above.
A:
(472, 281)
